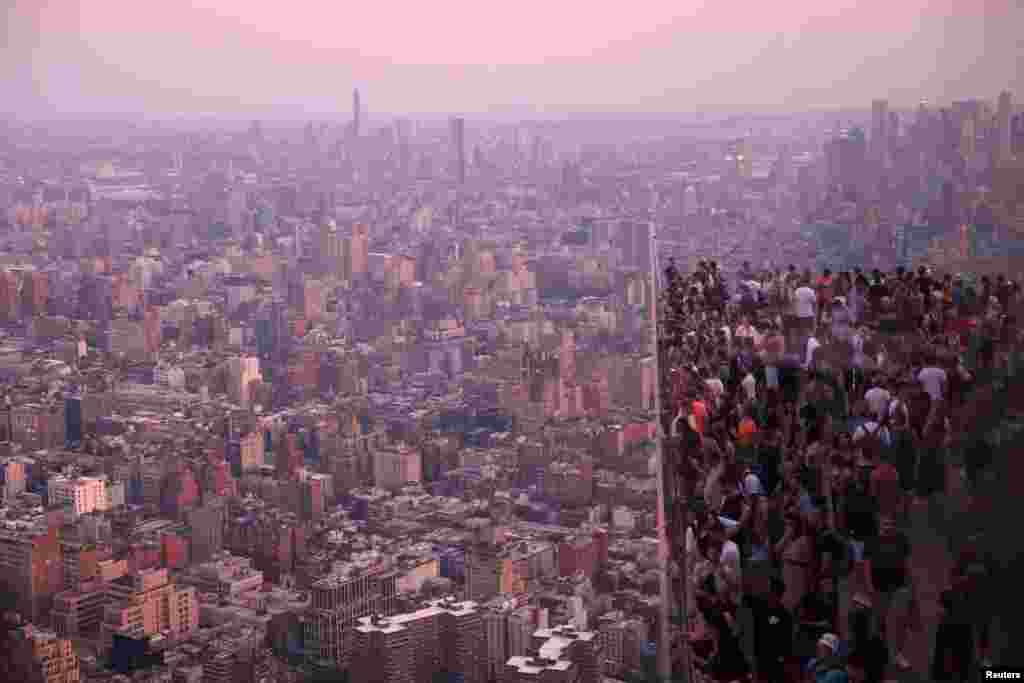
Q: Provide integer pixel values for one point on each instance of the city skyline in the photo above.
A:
(92, 57)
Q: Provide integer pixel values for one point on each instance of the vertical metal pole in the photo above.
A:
(664, 634)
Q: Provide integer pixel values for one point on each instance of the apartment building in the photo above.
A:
(147, 603)
(338, 601)
(81, 495)
(43, 656)
(30, 565)
(444, 637)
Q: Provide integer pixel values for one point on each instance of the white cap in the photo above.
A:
(831, 641)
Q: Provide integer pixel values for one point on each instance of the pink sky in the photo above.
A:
(456, 55)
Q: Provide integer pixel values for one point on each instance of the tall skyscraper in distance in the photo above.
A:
(356, 112)
(458, 142)
(256, 132)
(1004, 114)
(402, 135)
(879, 131)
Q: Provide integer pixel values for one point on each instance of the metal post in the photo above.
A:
(668, 477)
(664, 634)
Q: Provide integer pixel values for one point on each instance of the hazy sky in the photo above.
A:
(261, 57)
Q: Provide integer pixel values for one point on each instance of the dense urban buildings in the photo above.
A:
(379, 398)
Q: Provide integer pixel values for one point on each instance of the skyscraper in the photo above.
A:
(457, 135)
(1004, 149)
(356, 112)
(879, 131)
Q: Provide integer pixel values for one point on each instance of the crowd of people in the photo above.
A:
(824, 410)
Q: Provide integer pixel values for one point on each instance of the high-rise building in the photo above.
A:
(30, 566)
(741, 159)
(147, 603)
(357, 112)
(40, 656)
(337, 602)
(12, 479)
(457, 137)
(1004, 114)
(81, 494)
(1017, 135)
(395, 466)
(206, 527)
(446, 637)
(251, 452)
(242, 372)
(879, 131)
(634, 239)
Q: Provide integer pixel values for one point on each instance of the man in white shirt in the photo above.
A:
(716, 389)
(933, 379)
(878, 398)
(805, 303)
(805, 309)
(812, 346)
(749, 385)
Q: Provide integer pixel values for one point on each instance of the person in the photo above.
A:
(698, 415)
(902, 453)
(826, 657)
(813, 345)
(805, 303)
(873, 436)
(796, 550)
(953, 653)
(887, 562)
(971, 578)
(878, 397)
(728, 663)
(886, 489)
(841, 320)
(826, 292)
(745, 330)
(933, 379)
(671, 273)
(773, 634)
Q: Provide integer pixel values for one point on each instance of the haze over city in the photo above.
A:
(239, 59)
(530, 342)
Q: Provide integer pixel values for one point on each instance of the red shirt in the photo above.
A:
(700, 416)
(886, 482)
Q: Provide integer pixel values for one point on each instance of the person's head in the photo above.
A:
(827, 273)
(828, 646)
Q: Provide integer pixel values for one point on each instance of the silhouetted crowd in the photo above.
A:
(824, 410)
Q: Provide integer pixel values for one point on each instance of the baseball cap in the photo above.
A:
(831, 641)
